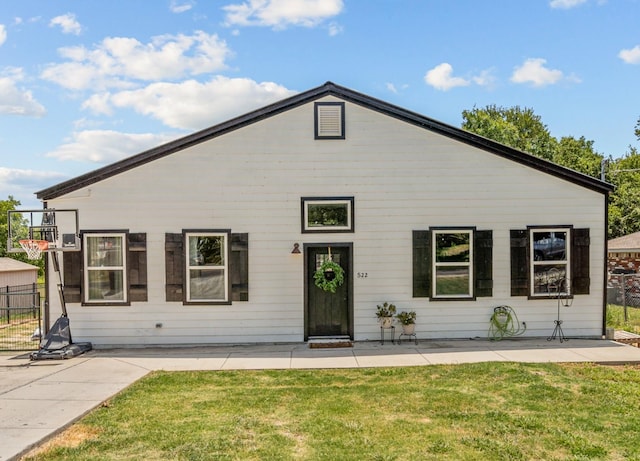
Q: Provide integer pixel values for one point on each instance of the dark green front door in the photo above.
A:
(328, 314)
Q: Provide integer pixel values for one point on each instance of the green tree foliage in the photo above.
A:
(523, 130)
(519, 128)
(5, 206)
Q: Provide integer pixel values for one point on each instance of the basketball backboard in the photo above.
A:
(58, 227)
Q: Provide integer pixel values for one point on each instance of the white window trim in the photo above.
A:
(348, 203)
(566, 262)
(434, 275)
(225, 267)
(88, 269)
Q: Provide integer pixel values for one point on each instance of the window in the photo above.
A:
(327, 214)
(550, 260)
(329, 120)
(550, 263)
(105, 264)
(452, 263)
(194, 267)
(207, 267)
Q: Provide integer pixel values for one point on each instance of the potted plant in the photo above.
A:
(408, 322)
(385, 314)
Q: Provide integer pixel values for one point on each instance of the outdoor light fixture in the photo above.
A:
(296, 249)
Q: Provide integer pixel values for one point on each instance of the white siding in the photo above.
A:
(403, 178)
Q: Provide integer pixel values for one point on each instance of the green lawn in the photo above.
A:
(486, 411)
(615, 318)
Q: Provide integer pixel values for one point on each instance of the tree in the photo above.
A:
(624, 203)
(5, 206)
(519, 128)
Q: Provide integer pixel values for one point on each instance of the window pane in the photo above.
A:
(106, 285)
(206, 250)
(550, 246)
(452, 247)
(330, 214)
(207, 285)
(452, 281)
(104, 251)
(549, 279)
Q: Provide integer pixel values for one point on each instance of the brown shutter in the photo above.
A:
(72, 276)
(239, 267)
(137, 270)
(421, 264)
(580, 280)
(519, 263)
(483, 262)
(174, 266)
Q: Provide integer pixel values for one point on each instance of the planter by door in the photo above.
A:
(386, 322)
(326, 313)
(408, 329)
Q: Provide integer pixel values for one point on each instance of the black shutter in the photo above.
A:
(483, 262)
(580, 280)
(239, 267)
(137, 270)
(174, 266)
(421, 264)
(519, 263)
(72, 276)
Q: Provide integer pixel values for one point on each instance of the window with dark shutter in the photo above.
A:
(519, 263)
(174, 266)
(136, 276)
(72, 276)
(421, 264)
(481, 255)
(553, 258)
(483, 260)
(137, 266)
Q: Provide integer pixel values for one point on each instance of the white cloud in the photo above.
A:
(485, 78)
(15, 100)
(566, 4)
(106, 146)
(631, 56)
(121, 62)
(180, 7)
(441, 78)
(3, 34)
(335, 29)
(68, 23)
(534, 71)
(279, 14)
(22, 183)
(180, 105)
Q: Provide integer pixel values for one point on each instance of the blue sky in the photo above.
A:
(86, 83)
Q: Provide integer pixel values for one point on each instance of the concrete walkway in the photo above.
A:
(39, 399)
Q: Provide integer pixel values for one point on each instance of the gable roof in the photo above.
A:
(13, 265)
(328, 89)
(629, 242)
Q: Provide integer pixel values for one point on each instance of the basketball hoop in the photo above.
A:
(34, 248)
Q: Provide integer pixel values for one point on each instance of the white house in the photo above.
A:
(216, 237)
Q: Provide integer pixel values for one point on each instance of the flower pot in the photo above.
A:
(409, 329)
(386, 322)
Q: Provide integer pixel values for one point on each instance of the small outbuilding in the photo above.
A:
(14, 273)
(624, 254)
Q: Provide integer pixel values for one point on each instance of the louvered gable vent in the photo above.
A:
(329, 120)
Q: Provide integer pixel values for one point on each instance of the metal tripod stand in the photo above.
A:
(562, 295)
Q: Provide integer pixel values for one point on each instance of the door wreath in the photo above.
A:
(329, 276)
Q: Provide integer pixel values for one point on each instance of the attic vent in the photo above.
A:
(329, 120)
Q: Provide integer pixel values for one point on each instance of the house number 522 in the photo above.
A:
(362, 275)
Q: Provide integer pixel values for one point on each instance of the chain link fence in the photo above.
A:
(20, 317)
(624, 290)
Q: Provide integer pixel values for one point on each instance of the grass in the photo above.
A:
(615, 318)
(485, 411)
